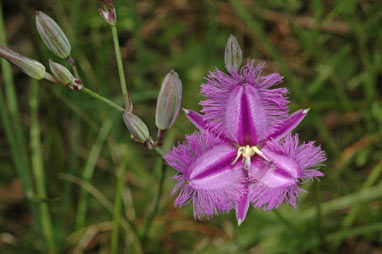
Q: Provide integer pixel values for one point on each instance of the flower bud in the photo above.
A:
(29, 66)
(76, 85)
(137, 128)
(52, 35)
(61, 73)
(169, 101)
(107, 12)
(64, 76)
(233, 56)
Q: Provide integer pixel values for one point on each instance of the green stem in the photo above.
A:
(74, 67)
(38, 169)
(89, 170)
(117, 208)
(103, 99)
(125, 93)
(92, 93)
(150, 217)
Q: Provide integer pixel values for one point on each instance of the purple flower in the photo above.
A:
(243, 154)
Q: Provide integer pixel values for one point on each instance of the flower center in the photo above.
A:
(247, 152)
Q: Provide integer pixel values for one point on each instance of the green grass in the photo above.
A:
(93, 177)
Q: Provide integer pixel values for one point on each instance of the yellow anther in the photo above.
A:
(260, 153)
(247, 152)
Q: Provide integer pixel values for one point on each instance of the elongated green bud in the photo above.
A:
(233, 56)
(52, 35)
(137, 128)
(169, 101)
(29, 66)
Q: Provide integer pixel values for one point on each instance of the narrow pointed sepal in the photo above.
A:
(243, 204)
(288, 125)
(195, 118)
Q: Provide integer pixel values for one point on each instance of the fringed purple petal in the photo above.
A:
(271, 198)
(206, 174)
(277, 180)
(242, 107)
(181, 157)
(309, 155)
(312, 174)
(306, 155)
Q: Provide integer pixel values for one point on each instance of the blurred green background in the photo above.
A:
(330, 54)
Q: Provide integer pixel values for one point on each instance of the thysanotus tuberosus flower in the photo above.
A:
(244, 153)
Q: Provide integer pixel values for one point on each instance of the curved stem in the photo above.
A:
(125, 93)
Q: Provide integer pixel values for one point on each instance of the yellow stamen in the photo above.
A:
(246, 152)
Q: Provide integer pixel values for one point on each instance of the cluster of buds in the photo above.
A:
(167, 110)
(57, 42)
(170, 95)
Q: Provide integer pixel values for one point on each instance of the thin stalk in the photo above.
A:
(89, 170)
(12, 127)
(125, 93)
(74, 67)
(38, 169)
(103, 99)
(92, 93)
(117, 207)
(150, 217)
